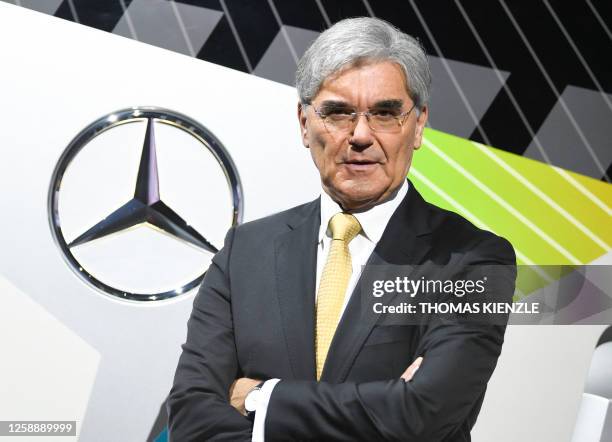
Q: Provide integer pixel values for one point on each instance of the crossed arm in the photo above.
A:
(243, 386)
(459, 360)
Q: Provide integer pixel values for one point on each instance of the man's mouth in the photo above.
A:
(360, 165)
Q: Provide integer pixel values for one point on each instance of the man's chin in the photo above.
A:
(358, 199)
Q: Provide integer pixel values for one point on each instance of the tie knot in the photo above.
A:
(344, 226)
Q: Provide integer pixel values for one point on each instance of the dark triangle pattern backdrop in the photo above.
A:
(532, 78)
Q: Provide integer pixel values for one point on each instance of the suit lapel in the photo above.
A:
(296, 257)
(405, 241)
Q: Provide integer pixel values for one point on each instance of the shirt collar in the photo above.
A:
(373, 221)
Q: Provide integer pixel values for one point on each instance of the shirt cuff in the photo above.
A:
(261, 410)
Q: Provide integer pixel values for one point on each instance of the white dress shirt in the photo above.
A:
(373, 223)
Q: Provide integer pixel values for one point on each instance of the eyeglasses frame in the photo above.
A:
(401, 118)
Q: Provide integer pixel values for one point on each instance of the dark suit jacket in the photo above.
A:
(254, 316)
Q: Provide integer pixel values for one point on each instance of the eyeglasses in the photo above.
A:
(379, 120)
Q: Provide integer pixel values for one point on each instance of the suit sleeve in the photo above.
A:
(198, 404)
(459, 359)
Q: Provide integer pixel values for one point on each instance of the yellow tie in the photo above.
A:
(334, 279)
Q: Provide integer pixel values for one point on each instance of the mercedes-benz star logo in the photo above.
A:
(146, 207)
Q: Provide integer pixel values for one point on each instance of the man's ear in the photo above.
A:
(302, 119)
(420, 127)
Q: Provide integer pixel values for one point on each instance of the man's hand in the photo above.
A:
(238, 392)
(410, 371)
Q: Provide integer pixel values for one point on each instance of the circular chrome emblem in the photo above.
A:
(140, 201)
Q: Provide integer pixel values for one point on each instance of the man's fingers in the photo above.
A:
(238, 392)
(236, 400)
(410, 371)
(238, 404)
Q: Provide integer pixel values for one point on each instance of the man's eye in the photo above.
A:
(385, 113)
(332, 112)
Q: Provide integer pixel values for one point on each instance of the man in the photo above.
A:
(277, 346)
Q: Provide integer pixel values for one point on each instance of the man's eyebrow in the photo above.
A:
(334, 103)
(392, 103)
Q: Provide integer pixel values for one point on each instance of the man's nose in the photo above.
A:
(361, 136)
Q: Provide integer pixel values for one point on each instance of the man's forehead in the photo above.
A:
(381, 82)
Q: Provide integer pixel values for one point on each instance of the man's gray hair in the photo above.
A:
(358, 40)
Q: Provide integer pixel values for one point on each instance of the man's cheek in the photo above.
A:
(319, 138)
